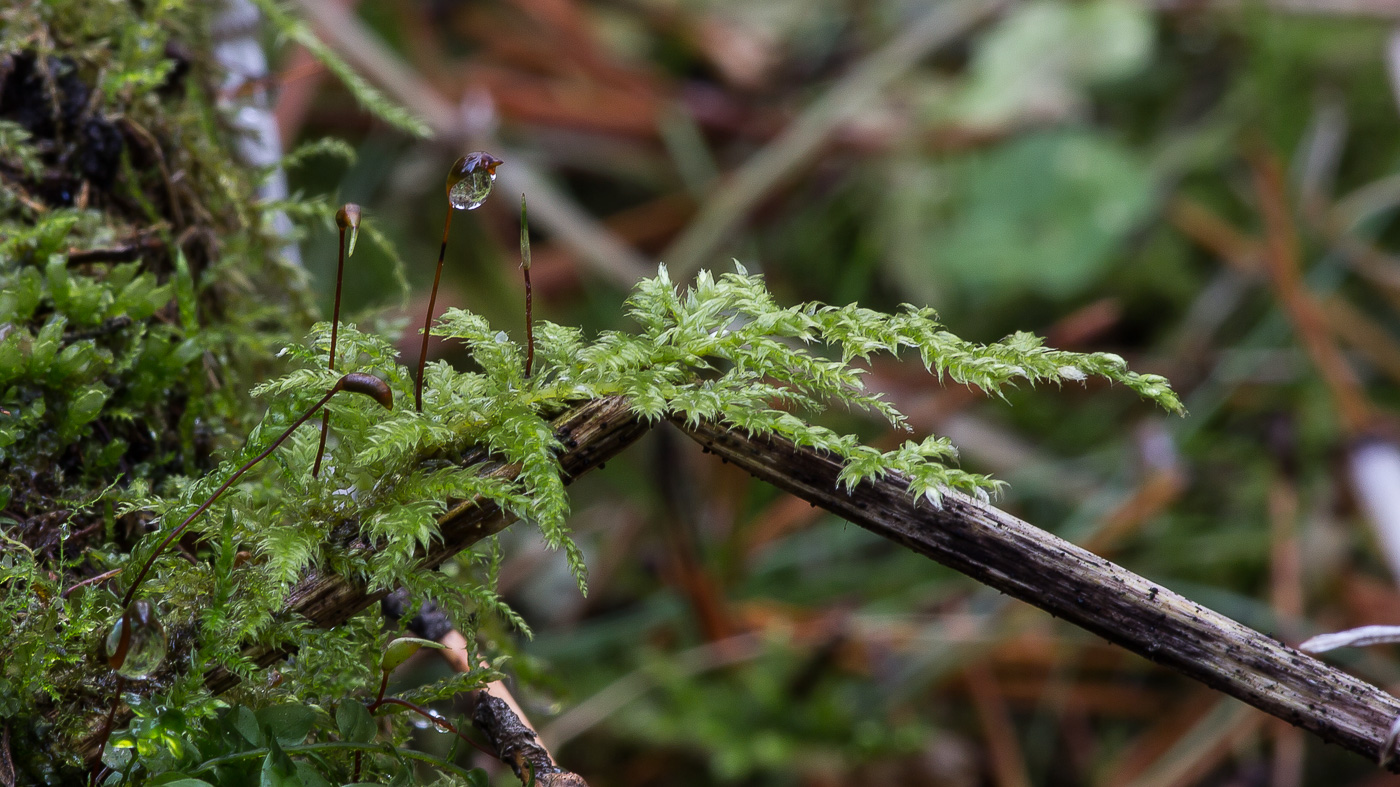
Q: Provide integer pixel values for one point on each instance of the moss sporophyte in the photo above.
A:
(348, 217)
(721, 349)
(529, 296)
(468, 185)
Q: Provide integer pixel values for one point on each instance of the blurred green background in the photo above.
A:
(1206, 187)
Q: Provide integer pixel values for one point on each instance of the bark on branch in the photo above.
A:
(518, 746)
(1041, 569)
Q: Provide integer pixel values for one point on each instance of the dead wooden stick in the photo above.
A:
(432, 623)
(497, 715)
(1041, 569)
(976, 539)
(518, 746)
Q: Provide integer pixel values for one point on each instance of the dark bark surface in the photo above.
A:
(517, 745)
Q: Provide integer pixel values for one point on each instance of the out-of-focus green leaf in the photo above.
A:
(1043, 213)
(1039, 60)
(278, 770)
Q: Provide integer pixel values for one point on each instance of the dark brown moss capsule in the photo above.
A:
(367, 385)
(348, 218)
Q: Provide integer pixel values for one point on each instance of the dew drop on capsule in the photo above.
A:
(469, 181)
(135, 646)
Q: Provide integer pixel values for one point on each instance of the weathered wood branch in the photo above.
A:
(1048, 572)
(518, 746)
(977, 539)
(591, 433)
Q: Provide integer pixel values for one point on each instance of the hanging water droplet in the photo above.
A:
(469, 181)
(135, 646)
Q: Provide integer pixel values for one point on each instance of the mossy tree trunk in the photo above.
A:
(139, 296)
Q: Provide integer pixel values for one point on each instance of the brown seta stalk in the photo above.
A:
(348, 217)
(468, 185)
(354, 382)
(525, 266)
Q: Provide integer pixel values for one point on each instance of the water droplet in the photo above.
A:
(469, 181)
(135, 646)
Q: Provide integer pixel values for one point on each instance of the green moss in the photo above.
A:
(137, 309)
(121, 321)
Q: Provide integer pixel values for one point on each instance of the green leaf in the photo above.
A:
(247, 725)
(79, 362)
(12, 360)
(46, 344)
(355, 723)
(59, 280)
(1043, 56)
(185, 292)
(177, 780)
(84, 408)
(141, 298)
(399, 651)
(309, 776)
(1043, 213)
(278, 770)
(288, 723)
(20, 295)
